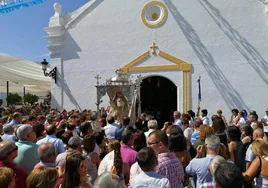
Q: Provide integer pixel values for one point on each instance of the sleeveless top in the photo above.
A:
(261, 181)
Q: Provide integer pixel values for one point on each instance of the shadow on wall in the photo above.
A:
(65, 89)
(70, 47)
(55, 103)
(231, 97)
(78, 18)
(253, 57)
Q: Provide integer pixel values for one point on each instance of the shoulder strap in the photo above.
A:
(260, 163)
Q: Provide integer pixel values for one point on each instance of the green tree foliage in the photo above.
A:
(30, 98)
(13, 98)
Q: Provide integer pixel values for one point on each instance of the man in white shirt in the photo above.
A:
(152, 126)
(204, 117)
(147, 160)
(177, 119)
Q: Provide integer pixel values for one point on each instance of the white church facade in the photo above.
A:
(176, 41)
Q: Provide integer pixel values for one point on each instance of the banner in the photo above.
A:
(7, 6)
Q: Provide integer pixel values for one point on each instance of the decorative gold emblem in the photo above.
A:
(154, 14)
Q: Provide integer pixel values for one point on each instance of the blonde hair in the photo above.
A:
(6, 176)
(260, 148)
(42, 177)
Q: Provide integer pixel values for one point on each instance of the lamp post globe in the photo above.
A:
(44, 64)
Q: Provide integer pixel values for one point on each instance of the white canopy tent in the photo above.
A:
(22, 73)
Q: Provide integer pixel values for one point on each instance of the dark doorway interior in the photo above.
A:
(158, 98)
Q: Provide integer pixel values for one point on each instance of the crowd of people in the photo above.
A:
(43, 148)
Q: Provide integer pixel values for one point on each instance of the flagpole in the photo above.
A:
(199, 96)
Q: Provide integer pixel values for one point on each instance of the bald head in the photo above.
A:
(47, 152)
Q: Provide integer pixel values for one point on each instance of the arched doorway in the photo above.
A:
(158, 98)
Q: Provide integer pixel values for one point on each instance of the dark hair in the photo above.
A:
(89, 143)
(235, 110)
(32, 118)
(213, 117)
(84, 127)
(103, 121)
(204, 111)
(126, 121)
(70, 127)
(234, 133)
(138, 124)
(176, 142)
(248, 130)
(65, 137)
(40, 117)
(160, 136)
(51, 129)
(218, 125)
(139, 140)
(110, 119)
(245, 112)
(228, 175)
(255, 116)
(38, 128)
(71, 176)
(191, 113)
(126, 136)
(147, 159)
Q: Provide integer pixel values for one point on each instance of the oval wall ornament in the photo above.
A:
(154, 14)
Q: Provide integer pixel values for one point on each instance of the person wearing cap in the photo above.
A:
(199, 166)
(74, 144)
(27, 149)
(8, 133)
(51, 131)
(8, 152)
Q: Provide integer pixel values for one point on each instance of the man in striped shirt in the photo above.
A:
(168, 164)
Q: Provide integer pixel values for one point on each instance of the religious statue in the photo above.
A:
(119, 107)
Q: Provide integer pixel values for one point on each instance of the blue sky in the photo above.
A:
(21, 31)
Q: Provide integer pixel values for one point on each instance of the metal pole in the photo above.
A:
(24, 91)
(7, 91)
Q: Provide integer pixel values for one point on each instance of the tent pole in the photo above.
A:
(7, 91)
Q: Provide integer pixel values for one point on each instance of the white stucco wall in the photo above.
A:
(224, 40)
